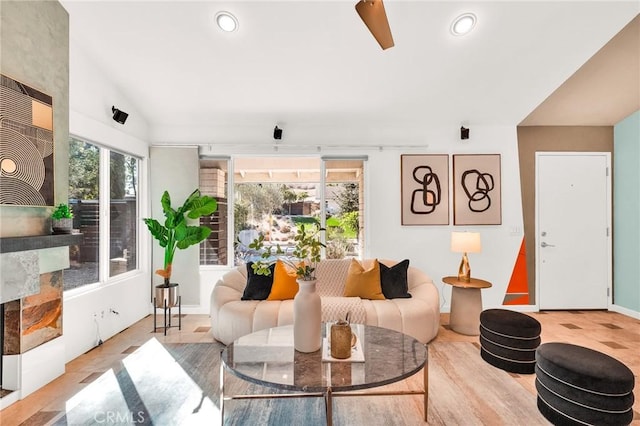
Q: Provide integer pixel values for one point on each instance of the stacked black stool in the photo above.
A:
(578, 386)
(509, 339)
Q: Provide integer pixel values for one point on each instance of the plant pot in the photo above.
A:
(307, 318)
(62, 226)
(168, 292)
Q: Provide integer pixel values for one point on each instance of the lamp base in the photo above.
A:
(464, 271)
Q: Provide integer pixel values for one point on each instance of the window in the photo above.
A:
(91, 168)
(344, 207)
(272, 196)
(84, 199)
(123, 213)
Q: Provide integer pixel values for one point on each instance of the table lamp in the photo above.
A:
(465, 242)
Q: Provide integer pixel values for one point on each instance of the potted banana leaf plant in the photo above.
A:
(176, 234)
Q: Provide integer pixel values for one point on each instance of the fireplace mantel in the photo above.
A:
(15, 244)
(25, 259)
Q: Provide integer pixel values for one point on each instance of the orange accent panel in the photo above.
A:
(518, 284)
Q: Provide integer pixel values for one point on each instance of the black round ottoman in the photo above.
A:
(508, 340)
(580, 386)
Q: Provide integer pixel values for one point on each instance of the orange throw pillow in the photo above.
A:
(363, 284)
(284, 285)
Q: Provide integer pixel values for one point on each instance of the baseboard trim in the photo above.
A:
(445, 309)
(9, 399)
(624, 311)
(520, 308)
(195, 310)
(185, 309)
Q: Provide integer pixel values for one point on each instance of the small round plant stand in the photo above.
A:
(166, 308)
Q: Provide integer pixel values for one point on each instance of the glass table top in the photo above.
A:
(267, 357)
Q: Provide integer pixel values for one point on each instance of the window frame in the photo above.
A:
(104, 199)
(323, 159)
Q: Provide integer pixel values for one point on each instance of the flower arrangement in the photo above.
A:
(304, 258)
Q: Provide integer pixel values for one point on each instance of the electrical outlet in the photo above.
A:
(102, 314)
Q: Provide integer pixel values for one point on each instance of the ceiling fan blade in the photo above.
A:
(374, 16)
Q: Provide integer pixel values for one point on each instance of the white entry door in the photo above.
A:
(573, 228)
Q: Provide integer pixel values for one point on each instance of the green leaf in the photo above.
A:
(333, 221)
(257, 244)
(202, 206)
(158, 231)
(186, 206)
(166, 205)
(261, 268)
(189, 235)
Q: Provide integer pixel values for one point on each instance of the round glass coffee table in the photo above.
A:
(267, 358)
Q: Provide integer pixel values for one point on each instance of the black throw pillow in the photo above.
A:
(258, 286)
(394, 280)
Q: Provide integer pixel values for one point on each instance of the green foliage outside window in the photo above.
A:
(118, 176)
(348, 198)
(84, 167)
(260, 198)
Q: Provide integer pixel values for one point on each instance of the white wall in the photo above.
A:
(92, 94)
(91, 97)
(129, 296)
(176, 170)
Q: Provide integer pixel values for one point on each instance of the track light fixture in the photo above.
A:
(277, 133)
(464, 133)
(119, 116)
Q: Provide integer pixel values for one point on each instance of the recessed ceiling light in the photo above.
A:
(463, 24)
(226, 21)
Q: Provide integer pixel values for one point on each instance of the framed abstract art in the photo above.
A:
(477, 189)
(26, 145)
(425, 189)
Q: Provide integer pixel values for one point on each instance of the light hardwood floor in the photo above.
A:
(608, 332)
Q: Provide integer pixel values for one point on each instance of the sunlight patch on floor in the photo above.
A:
(91, 402)
(152, 386)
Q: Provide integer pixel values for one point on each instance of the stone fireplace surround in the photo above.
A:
(31, 294)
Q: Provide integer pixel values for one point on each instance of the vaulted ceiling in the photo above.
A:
(313, 68)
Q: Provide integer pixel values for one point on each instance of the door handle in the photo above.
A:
(543, 244)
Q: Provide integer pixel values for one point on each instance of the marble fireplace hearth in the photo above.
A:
(31, 295)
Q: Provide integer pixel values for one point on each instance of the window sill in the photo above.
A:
(89, 288)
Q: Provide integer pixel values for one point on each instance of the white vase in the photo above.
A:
(307, 318)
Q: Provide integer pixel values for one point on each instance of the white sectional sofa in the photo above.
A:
(418, 316)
